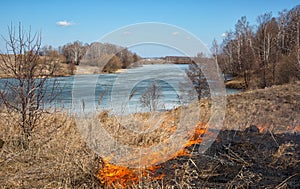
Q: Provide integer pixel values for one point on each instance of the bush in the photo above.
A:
(288, 70)
(112, 65)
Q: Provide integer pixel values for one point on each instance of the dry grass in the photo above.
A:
(62, 68)
(161, 125)
(85, 69)
(56, 157)
(237, 83)
(275, 109)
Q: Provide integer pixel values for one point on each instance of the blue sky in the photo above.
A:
(90, 20)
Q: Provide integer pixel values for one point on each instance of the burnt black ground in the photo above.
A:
(246, 159)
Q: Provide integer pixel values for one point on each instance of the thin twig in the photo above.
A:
(285, 180)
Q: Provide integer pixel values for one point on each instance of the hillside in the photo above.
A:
(276, 108)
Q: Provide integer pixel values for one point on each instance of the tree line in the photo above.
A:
(108, 56)
(265, 54)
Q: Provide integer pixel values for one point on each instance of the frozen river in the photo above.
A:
(121, 92)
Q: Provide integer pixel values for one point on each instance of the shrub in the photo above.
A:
(288, 70)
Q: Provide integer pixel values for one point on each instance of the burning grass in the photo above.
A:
(265, 155)
(248, 158)
(118, 176)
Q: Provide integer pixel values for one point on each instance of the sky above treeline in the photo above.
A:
(63, 21)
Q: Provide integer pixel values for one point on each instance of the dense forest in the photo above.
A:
(264, 54)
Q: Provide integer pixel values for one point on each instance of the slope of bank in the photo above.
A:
(276, 108)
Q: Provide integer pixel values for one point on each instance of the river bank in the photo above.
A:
(59, 157)
(235, 83)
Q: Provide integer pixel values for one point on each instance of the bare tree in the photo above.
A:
(267, 48)
(99, 54)
(244, 53)
(151, 97)
(228, 48)
(215, 50)
(293, 32)
(264, 52)
(28, 88)
(238, 51)
(198, 79)
(74, 52)
(282, 34)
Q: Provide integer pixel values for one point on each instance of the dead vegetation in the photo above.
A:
(262, 156)
(273, 108)
(237, 83)
(56, 157)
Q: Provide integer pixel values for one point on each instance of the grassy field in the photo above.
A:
(58, 157)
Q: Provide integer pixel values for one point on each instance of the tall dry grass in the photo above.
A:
(58, 157)
(55, 157)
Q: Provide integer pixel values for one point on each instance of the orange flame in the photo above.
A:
(263, 128)
(294, 128)
(118, 176)
(297, 129)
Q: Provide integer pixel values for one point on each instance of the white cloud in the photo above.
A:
(64, 23)
(175, 33)
(224, 34)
